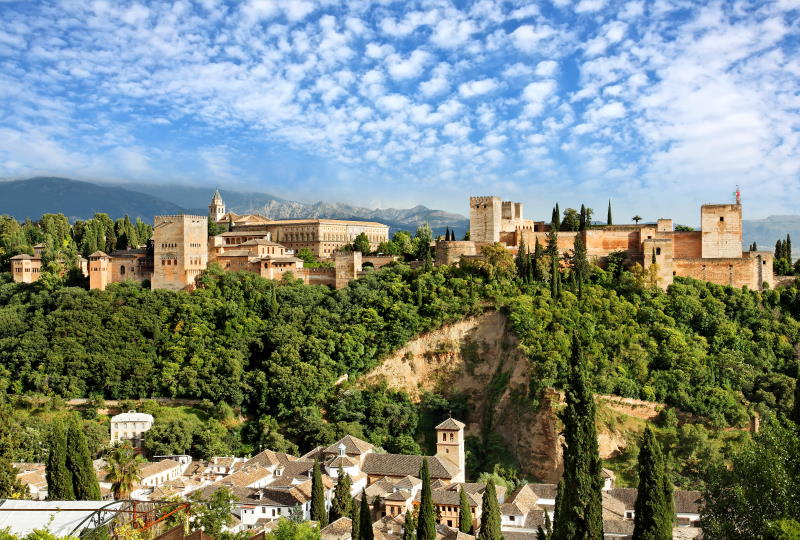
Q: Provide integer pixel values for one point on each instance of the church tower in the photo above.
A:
(216, 210)
(450, 446)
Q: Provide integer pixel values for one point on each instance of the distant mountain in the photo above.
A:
(765, 232)
(77, 200)
(80, 200)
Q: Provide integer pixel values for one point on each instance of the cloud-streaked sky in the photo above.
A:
(660, 104)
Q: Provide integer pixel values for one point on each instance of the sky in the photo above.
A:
(658, 105)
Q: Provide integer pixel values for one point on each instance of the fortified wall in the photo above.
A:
(712, 254)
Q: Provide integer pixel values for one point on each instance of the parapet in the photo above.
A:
(483, 199)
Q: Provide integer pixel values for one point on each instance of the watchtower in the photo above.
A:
(180, 251)
(721, 226)
(99, 270)
(485, 216)
(450, 445)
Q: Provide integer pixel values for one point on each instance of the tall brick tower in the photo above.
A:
(485, 216)
(216, 210)
(180, 251)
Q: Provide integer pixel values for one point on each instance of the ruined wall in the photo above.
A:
(748, 270)
(687, 244)
(450, 252)
(721, 226)
(485, 215)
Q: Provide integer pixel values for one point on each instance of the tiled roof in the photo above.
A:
(246, 476)
(687, 502)
(268, 458)
(618, 526)
(98, 253)
(400, 495)
(150, 468)
(404, 465)
(524, 498)
(451, 424)
(626, 495)
(341, 461)
(132, 416)
(544, 491)
(353, 446)
(613, 508)
(23, 257)
(408, 482)
(341, 528)
(261, 242)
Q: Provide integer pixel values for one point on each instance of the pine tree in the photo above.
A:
(490, 515)
(318, 511)
(579, 512)
(59, 477)
(409, 527)
(355, 519)
(79, 462)
(464, 513)
(654, 506)
(608, 219)
(365, 520)
(426, 521)
(342, 500)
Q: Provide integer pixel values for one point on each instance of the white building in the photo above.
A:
(130, 426)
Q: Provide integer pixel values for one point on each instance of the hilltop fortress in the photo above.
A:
(713, 253)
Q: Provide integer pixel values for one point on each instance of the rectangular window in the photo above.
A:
(658, 251)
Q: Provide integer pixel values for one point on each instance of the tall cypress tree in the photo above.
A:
(608, 219)
(79, 462)
(342, 500)
(580, 263)
(522, 261)
(582, 222)
(580, 512)
(426, 521)
(365, 520)
(318, 511)
(537, 256)
(355, 518)
(558, 218)
(464, 513)
(59, 477)
(788, 248)
(654, 506)
(409, 527)
(490, 515)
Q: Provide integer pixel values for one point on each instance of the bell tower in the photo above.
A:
(450, 446)
(216, 210)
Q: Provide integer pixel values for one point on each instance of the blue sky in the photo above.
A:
(660, 105)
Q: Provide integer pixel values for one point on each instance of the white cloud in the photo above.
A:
(408, 68)
(451, 33)
(476, 88)
(527, 37)
(546, 68)
(439, 83)
(589, 6)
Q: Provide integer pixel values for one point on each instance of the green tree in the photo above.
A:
(426, 519)
(637, 218)
(170, 436)
(59, 477)
(571, 221)
(464, 512)
(318, 511)
(365, 531)
(341, 505)
(79, 462)
(490, 515)
(579, 515)
(289, 530)
(355, 519)
(213, 514)
(403, 243)
(609, 221)
(10, 486)
(654, 505)
(361, 243)
(422, 240)
(409, 527)
(122, 468)
(580, 263)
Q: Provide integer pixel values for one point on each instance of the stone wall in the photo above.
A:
(750, 270)
(687, 244)
(450, 252)
(347, 265)
(601, 242)
(180, 250)
(485, 214)
(721, 226)
(661, 250)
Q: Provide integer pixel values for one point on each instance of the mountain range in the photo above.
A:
(80, 200)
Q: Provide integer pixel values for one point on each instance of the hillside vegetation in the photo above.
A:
(275, 350)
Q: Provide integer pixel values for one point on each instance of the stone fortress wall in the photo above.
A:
(712, 254)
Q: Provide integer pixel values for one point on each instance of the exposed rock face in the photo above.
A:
(469, 357)
(464, 358)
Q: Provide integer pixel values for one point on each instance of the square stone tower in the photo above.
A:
(99, 270)
(450, 446)
(180, 251)
(721, 226)
(485, 217)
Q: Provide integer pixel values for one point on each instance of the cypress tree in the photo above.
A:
(84, 480)
(522, 261)
(582, 222)
(558, 217)
(453, 235)
(426, 521)
(409, 527)
(778, 250)
(490, 515)
(59, 477)
(608, 219)
(464, 513)
(580, 263)
(579, 512)
(795, 414)
(355, 519)
(447, 233)
(342, 500)
(365, 518)
(318, 511)
(537, 256)
(788, 248)
(654, 506)
(554, 277)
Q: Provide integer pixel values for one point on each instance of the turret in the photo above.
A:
(216, 210)
(450, 445)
